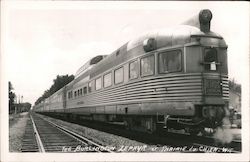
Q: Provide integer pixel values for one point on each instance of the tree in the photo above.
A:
(58, 83)
(11, 98)
(234, 86)
(25, 107)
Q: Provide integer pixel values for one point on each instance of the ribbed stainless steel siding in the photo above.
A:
(181, 87)
(225, 87)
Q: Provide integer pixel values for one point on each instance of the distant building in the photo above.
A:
(22, 107)
(234, 101)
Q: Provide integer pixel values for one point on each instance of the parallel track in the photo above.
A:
(164, 138)
(44, 136)
(29, 142)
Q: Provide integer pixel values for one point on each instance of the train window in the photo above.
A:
(133, 70)
(98, 83)
(68, 95)
(147, 65)
(107, 80)
(210, 59)
(119, 75)
(84, 90)
(81, 92)
(78, 92)
(90, 86)
(169, 61)
(75, 93)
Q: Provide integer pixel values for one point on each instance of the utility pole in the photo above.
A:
(15, 103)
(18, 105)
(21, 109)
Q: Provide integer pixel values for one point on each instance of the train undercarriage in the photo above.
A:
(207, 118)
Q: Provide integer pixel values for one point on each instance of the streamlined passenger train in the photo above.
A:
(173, 78)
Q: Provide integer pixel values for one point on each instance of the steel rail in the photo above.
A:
(77, 136)
(38, 139)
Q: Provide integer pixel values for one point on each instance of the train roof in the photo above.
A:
(196, 27)
(89, 64)
(179, 35)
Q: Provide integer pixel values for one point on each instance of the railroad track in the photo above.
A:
(42, 135)
(164, 138)
(29, 142)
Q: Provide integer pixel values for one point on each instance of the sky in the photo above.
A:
(41, 40)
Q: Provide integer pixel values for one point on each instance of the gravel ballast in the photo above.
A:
(17, 124)
(118, 143)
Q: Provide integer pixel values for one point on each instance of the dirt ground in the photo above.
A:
(17, 124)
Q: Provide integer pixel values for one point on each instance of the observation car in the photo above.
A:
(175, 78)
